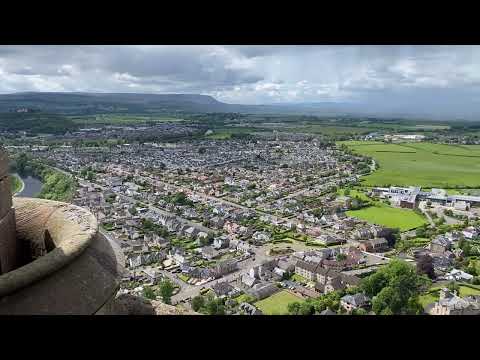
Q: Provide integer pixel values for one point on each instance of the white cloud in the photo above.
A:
(250, 74)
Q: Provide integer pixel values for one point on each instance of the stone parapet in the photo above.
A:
(5, 196)
(78, 276)
(4, 163)
(9, 250)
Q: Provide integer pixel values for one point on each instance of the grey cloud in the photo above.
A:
(382, 76)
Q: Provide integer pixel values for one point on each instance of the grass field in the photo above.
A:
(354, 193)
(226, 133)
(119, 119)
(433, 295)
(328, 130)
(277, 304)
(220, 136)
(422, 164)
(382, 214)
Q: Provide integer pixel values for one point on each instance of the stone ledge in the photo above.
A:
(71, 228)
(82, 287)
(4, 163)
(5, 196)
(9, 255)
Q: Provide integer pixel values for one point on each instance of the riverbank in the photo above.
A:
(17, 184)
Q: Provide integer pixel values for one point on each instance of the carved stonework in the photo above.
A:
(9, 249)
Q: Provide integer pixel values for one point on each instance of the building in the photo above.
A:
(263, 290)
(458, 275)
(440, 244)
(223, 289)
(451, 304)
(352, 302)
(225, 267)
(374, 245)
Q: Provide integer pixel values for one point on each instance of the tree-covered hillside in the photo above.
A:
(36, 123)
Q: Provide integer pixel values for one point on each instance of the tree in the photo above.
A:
(453, 287)
(166, 291)
(359, 311)
(425, 266)
(395, 288)
(341, 257)
(421, 231)
(294, 308)
(148, 293)
(215, 307)
(198, 302)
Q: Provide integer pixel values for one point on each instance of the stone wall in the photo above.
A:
(8, 243)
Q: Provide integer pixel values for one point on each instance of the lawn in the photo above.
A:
(421, 164)
(382, 214)
(220, 136)
(277, 304)
(354, 193)
(299, 278)
(467, 291)
(183, 277)
(244, 298)
(433, 295)
(429, 298)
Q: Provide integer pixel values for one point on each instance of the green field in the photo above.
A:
(382, 214)
(421, 164)
(226, 132)
(118, 119)
(220, 136)
(328, 130)
(277, 304)
(354, 193)
(433, 295)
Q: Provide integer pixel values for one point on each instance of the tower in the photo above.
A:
(79, 269)
(8, 243)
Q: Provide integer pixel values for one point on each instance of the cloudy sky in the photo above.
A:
(394, 75)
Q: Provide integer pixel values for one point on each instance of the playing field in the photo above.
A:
(277, 304)
(421, 164)
(382, 214)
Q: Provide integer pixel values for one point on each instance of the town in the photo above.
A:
(265, 224)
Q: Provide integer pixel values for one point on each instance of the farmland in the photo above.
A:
(422, 164)
(114, 119)
(277, 304)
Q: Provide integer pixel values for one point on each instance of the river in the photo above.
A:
(32, 188)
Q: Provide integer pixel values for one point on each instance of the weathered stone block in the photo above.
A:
(3, 163)
(5, 196)
(8, 243)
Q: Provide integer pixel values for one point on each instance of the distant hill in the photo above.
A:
(94, 103)
(97, 103)
(88, 103)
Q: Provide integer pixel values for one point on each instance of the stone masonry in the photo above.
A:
(8, 243)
